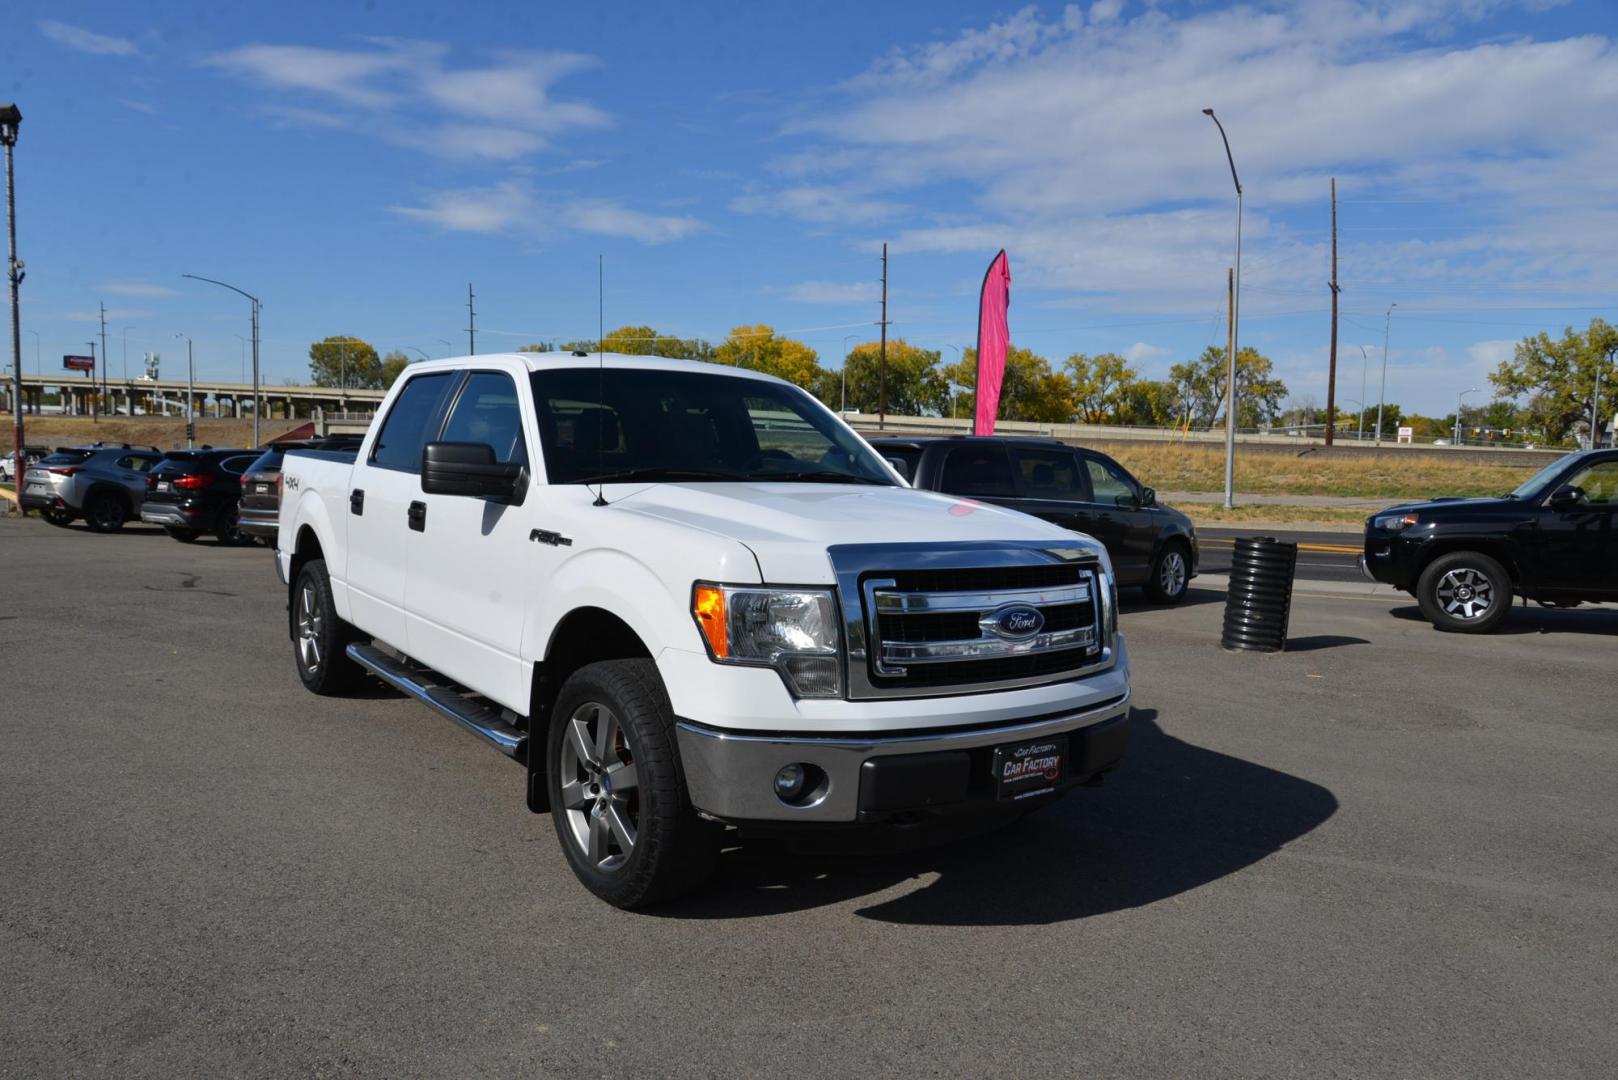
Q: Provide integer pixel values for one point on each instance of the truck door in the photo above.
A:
(1579, 545)
(385, 482)
(471, 565)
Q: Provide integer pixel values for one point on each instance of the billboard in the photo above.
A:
(78, 363)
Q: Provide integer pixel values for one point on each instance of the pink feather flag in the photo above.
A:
(994, 338)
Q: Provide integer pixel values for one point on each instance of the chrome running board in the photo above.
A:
(431, 689)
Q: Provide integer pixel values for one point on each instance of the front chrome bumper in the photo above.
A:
(730, 775)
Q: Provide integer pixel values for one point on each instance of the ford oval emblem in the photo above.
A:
(1015, 621)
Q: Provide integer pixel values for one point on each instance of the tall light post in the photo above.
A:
(255, 309)
(959, 357)
(1365, 364)
(449, 346)
(846, 339)
(1595, 403)
(1235, 319)
(10, 122)
(243, 340)
(413, 349)
(1458, 401)
(1382, 394)
(190, 395)
(95, 399)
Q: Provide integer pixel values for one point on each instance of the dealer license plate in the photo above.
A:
(1030, 768)
(35, 489)
(262, 489)
(164, 485)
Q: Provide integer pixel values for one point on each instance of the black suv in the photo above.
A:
(1553, 540)
(1077, 488)
(191, 492)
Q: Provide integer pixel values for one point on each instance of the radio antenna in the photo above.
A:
(601, 382)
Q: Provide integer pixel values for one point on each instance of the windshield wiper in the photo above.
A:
(658, 473)
(816, 477)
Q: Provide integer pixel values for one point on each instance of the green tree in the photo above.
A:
(1558, 378)
(1148, 403)
(916, 384)
(393, 366)
(760, 349)
(345, 361)
(538, 346)
(1029, 390)
(1200, 388)
(1100, 385)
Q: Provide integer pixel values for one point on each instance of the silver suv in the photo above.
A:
(103, 484)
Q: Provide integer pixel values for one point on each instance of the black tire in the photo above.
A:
(184, 536)
(1170, 575)
(625, 719)
(60, 518)
(105, 513)
(227, 526)
(1464, 592)
(319, 637)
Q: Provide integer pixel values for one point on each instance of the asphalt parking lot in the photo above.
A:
(1386, 852)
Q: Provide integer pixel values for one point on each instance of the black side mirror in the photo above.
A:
(459, 468)
(900, 466)
(1148, 497)
(1567, 497)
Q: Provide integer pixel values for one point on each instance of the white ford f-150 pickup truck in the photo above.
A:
(692, 600)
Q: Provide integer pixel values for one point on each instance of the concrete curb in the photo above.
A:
(1315, 587)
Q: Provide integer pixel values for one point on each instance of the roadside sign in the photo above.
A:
(78, 363)
(1407, 434)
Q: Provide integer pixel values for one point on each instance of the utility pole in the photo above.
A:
(190, 398)
(105, 355)
(10, 121)
(882, 392)
(1331, 375)
(471, 323)
(1382, 394)
(1595, 404)
(1365, 364)
(95, 401)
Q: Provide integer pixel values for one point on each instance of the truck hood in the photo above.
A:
(788, 527)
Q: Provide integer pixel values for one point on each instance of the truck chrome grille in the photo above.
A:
(1038, 616)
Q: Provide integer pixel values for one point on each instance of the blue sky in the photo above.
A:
(357, 164)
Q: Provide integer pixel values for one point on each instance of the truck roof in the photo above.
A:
(549, 361)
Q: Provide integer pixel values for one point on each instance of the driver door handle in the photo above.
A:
(417, 515)
(356, 502)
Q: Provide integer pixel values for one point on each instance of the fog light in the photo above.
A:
(790, 782)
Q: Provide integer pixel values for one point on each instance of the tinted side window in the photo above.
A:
(1111, 485)
(236, 465)
(978, 470)
(137, 462)
(398, 444)
(1050, 474)
(487, 412)
(1599, 481)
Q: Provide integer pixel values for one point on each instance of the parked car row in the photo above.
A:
(190, 493)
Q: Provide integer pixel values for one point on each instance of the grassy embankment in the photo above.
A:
(163, 432)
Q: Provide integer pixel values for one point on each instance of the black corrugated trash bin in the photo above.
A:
(1260, 596)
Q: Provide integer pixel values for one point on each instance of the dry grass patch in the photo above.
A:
(163, 432)
(1395, 475)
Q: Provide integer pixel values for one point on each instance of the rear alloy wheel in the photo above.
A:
(229, 526)
(1465, 592)
(105, 514)
(319, 637)
(57, 516)
(1170, 576)
(617, 790)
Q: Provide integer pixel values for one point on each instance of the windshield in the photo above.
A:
(1536, 484)
(624, 424)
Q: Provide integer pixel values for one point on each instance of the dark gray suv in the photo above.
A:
(103, 484)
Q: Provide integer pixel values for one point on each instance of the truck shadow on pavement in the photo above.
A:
(1132, 600)
(1173, 817)
(1538, 620)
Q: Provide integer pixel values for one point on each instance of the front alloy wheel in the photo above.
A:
(600, 787)
(1170, 574)
(1464, 592)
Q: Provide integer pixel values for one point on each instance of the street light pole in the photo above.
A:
(95, 398)
(1595, 404)
(1382, 394)
(190, 395)
(449, 346)
(255, 310)
(1470, 390)
(10, 122)
(1235, 320)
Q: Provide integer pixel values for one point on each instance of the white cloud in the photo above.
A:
(832, 292)
(1490, 354)
(406, 93)
(608, 218)
(137, 288)
(1142, 354)
(1077, 143)
(506, 206)
(96, 315)
(513, 208)
(827, 205)
(86, 41)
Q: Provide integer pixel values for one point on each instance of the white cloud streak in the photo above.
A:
(512, 208)
(86, 41)
(137, 288)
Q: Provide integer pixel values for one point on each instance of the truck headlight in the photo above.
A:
(1393, 522)
(794, 631)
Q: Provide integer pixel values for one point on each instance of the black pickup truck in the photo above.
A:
(1553, 540)
(1151, 545)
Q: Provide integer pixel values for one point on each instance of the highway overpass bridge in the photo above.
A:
(158, 397)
